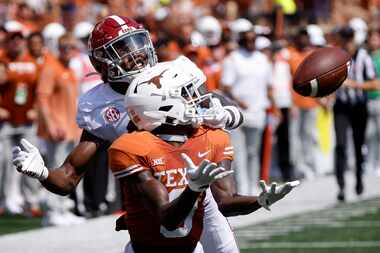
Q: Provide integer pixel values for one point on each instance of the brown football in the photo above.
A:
(321, 72)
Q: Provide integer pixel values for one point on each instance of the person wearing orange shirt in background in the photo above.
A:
(304, 112)
(17, 116)
(57, 103)
(37, 49)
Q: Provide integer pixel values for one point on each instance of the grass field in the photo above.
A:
(17, 223)
(351, 228)
(348, 228)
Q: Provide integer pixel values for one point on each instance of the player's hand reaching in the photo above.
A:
(219, 116)
(273, 193)
(28, 160)
(201, 176)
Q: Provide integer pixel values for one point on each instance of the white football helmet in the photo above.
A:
(172, 93)
(210, 29)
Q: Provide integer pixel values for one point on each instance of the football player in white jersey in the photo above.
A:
(119, 49)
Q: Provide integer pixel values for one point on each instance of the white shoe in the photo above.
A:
(54, 219)
(72, 219)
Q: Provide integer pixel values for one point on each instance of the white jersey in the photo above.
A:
(101, 112)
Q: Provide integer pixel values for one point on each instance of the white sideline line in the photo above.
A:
(328, 224)
(309, 245)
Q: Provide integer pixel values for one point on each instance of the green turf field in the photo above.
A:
(347, 228)
(17, 223)
(350, 228)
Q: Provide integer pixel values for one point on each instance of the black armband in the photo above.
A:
(236, 117)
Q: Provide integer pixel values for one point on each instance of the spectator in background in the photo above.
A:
(247, 79)
(81, 63)
(373, 129)
(210, 54)
(41, 56)
(51, 33)
(37, 49)
(282, 93)
(57, 102)
(17, 117)
(304, 112)
(350, 109)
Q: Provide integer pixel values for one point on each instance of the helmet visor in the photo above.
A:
(131, 52)
(127, 55)
(197, 98)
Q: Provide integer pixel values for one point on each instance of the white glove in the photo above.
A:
(273, 193)
(28, 160)
(218, 115)
(200, 177)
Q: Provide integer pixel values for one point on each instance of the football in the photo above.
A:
(321, 72)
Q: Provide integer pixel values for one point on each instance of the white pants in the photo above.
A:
(128, 248)
(217, 236)
(247, 144)
(305, 141)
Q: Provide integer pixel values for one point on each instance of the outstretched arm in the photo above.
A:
(65, 178)
(231, 204)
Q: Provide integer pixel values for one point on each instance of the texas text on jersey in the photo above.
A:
(139, 151)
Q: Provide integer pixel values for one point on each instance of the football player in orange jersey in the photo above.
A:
(165, 192)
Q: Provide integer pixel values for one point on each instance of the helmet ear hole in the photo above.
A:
(170, 120)
(165, 108)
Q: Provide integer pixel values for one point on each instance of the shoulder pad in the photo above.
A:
(136, 143)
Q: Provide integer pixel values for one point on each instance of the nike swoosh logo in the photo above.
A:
(200, 155)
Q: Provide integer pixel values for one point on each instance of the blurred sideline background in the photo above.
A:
(300, 143)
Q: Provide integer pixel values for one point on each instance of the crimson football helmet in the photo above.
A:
(120, 48)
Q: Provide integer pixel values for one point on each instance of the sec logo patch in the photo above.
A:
(112, 114)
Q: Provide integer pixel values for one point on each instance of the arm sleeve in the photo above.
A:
(236, 116)
(124, 164)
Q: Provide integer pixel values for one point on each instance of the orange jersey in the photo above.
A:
(139, 151)
(18, 93)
